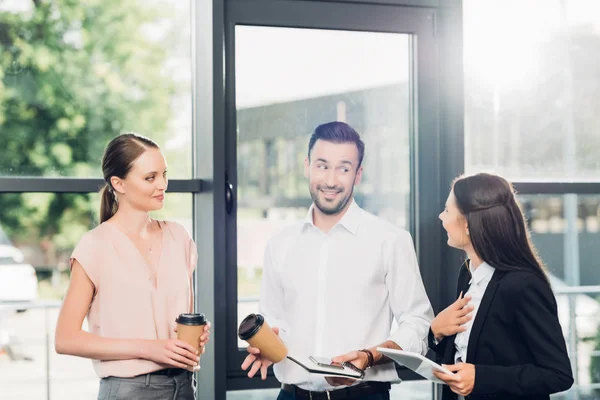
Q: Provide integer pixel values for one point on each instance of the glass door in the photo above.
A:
(290, 80)
(290, 67)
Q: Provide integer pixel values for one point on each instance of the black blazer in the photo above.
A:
(516, 342)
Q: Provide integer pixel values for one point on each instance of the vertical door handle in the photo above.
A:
(228, 196)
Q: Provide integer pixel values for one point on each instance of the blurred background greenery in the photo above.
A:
(73, 75)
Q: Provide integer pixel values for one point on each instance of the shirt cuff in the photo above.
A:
(433, 342)
(408, 340)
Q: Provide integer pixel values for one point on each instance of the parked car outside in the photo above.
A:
(18, 280)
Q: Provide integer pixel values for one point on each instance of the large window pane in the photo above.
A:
(38, 234)
(288, 81)
(532, 88)
(75, 74)
(566, 232)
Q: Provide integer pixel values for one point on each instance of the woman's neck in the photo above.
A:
(132, 222)
(475, 260)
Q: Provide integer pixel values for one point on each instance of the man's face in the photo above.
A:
(332, 172)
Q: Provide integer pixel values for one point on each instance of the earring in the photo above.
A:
(114, 194)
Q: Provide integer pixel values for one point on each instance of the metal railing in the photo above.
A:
(46, 305)
(573, 333)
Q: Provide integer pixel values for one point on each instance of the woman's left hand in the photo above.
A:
(204, 338)
(462, 380)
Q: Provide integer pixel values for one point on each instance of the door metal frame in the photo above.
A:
(420, 23)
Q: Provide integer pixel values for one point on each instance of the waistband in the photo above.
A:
(348, 393)
(160, 376)
(169, 372)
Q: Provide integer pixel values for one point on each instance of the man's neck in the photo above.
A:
(324, 222)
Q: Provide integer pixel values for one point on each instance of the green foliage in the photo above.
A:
(74, 74)
(595, 362)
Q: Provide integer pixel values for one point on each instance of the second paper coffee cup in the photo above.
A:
(189, 329)
(255, 330)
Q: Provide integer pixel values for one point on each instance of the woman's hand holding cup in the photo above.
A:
(451, 321)
(172, 352)
(205, 338)
(193, 329)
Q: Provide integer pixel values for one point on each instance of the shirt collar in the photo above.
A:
(350, 220)
(484, 271)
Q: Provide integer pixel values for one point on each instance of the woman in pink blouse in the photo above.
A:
(132, 277)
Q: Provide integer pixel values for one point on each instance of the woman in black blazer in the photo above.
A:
(502, 339)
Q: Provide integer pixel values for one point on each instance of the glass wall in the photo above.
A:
(531, 95)
(560, 238)
(72, 76)
(531, 88)
(568, 244)
(75, 75)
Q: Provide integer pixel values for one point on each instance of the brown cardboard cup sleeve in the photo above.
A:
(190, 328)
(257, 332)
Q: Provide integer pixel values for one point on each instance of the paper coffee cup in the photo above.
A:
(255, 330)
(189, 329)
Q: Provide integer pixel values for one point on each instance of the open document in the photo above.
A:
(416, 362)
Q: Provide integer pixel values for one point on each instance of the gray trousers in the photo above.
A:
(147, 387)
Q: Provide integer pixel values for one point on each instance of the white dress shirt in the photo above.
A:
(480, 278)
(331, 293)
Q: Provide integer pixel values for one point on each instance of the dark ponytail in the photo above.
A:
(108, 203)
(119, 156)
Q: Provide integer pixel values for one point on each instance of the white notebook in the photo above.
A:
(324, 366)
(416, 362)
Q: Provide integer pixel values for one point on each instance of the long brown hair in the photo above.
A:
(496, 224)
(119, 156)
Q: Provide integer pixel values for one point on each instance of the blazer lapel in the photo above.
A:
(464, 276)
(482, 313)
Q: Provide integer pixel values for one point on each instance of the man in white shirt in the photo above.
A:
(333, 284)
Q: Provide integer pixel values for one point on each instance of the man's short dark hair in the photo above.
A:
(337, 132)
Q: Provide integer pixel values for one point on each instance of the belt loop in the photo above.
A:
(328, 396)
(310, 394)
(147, 379)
